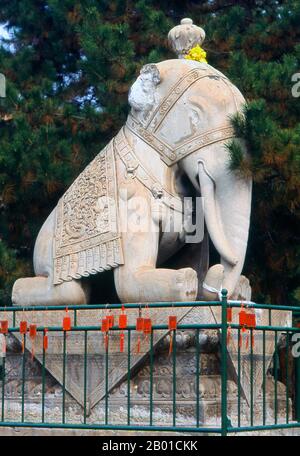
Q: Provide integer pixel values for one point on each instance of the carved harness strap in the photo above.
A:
(148, 132)
(132, 163)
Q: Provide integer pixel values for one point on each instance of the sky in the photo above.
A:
(3, 32)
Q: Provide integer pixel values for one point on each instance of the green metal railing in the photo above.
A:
(231, 420)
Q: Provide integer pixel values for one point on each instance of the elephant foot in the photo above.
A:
(213, 283)
(242, 291)
(34, 291)
(187, 284)
(24, 291)
(146, 285)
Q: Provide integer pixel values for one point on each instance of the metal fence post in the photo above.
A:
(297, 389)
(296, 317)
(224, 422)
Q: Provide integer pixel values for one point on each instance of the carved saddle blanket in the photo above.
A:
(87, 238)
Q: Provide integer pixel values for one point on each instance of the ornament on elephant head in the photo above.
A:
(142, 94)
(197, 53)
(186, 39)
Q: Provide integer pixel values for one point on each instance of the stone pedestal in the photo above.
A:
(209, 391)
(139, 382)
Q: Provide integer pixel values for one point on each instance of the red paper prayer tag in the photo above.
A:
(4, 346)
(4, 330)
(45, 340)
(106, 341)
(172, 326)
(122, 343)
(252, 324)
(23, 331)
(122, 321)
(4, 326)
(105, 325)
(32, 331)
(229, 314)
(139, 324)
(242, 323)
(110, 319)
(147, 326)
(67, 322)
(122, 325)
(32, 335)
(243, 318)
(247, 320)
(172, 322)
(251, 320)
(140, 328)
(23, 327)
(229, 320)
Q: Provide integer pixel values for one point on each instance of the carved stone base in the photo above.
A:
(209, 391)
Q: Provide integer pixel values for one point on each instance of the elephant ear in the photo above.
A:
(141, 96)
(152, 70)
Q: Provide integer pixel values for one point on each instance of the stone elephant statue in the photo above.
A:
(127, 208)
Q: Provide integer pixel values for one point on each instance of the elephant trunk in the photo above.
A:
(227, 202)
(212, 218)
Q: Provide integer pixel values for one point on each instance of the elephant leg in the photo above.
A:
(138, 280)
(40, 290)
(242, 290)
(213, 283)
(145, 284)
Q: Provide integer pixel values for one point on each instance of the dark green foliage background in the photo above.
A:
(69, 65)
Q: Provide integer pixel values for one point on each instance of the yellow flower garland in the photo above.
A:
(197, 53)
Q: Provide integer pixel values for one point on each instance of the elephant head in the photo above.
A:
(182, 109)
